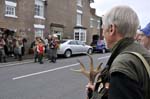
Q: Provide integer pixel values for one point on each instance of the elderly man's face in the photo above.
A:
(109, 33)
(105, 34)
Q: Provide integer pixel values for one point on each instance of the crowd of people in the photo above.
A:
(14, 47)
(11, 46)
(48, 46)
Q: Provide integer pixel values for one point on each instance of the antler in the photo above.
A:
(91, 74)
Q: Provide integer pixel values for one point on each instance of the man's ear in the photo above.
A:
(112, 29)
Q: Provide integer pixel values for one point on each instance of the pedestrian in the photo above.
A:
(144, 36)
(125, 76)
(48, 47)
(40, 51)
(46, 44)
(9, 45)
(2, 52)
(34, 47)
(18, 48)
(53, 45)
(24, 40)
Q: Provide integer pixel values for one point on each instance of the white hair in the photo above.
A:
(124, 18)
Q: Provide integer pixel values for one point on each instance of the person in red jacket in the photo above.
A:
(40, 50)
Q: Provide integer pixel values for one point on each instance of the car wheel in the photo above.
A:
(90, 51)
(67, 53)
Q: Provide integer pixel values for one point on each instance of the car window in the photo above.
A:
(80, 43)
(72, 43)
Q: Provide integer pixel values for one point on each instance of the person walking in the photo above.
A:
(124, 76)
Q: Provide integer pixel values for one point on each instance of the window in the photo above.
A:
(79, 3)
(10, 9)
(39, 30)
(91, 22)
(72, 43)
(39, 9)
(98, 24)
(80, 34)
(79, 18)
(76, 35)
(80, 43)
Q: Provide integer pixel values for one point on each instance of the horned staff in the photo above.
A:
(91, 74)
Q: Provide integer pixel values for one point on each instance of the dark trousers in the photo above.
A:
(35, 56)
(53, 54)
(40, 58)
(2, 55)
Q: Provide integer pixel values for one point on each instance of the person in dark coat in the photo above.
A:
(53, 46)
(2, 51)
(125, 75)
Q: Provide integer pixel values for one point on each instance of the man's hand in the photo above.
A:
(89, 90)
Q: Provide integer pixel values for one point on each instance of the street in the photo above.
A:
(48, 80)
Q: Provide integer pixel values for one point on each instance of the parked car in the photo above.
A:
(71, 47)
(99, 46)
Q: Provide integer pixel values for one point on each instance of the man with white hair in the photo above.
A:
(125, 76)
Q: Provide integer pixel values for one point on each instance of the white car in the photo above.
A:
(71, 47)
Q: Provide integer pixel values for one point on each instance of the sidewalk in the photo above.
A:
(25, 57)
(11, 61)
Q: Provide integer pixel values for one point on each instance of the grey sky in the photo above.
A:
(142, 8)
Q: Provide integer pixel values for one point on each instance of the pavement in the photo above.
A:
(11, 61)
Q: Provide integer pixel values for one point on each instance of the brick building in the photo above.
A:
(73, 19)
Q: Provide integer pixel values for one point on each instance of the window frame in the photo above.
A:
(79, 3)
(10, 9)
(98, 24)
(79, 18)
(39, 9)
(80, 34)
(91, 22)
(39, 27)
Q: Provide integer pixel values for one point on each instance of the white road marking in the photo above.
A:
(103, 57)
(50, 70)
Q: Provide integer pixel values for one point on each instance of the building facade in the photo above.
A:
(95, 26)
(69, 19)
